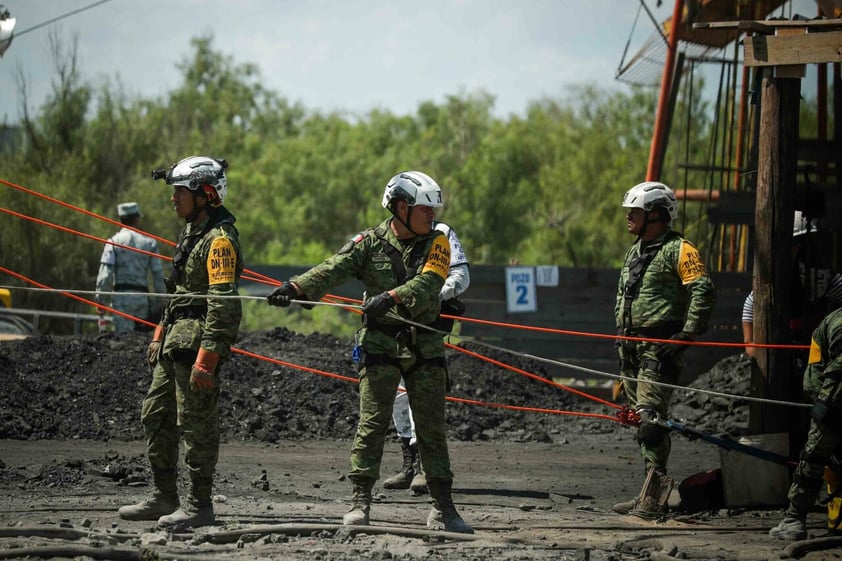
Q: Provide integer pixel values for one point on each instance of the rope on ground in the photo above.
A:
(292, 529)
(61, 533)
(801, 548)
(72, 551)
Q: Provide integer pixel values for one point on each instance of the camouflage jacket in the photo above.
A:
(211, 266)
(825, 358)
(674, 293)
(365, 257)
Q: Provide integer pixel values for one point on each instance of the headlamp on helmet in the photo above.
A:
(200, 174)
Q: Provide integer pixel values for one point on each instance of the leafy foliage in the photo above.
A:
(540, 189)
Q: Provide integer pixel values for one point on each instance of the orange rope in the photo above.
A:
(534, 409)
(534, 376)
(77, 298)
(82, 234)
(305, 368)
(626, 337)
(258, 277)
(250, 275)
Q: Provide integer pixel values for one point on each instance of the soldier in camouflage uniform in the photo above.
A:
(663, 293)
(410, 475)
(403, 263)
(124, 270)
(823, 384)
(190, 344)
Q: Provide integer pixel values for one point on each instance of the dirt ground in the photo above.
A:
(533, 485)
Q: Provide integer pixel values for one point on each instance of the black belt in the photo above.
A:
(663, 331)
(389, 329)
(130, 288)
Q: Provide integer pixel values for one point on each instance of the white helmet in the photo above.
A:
(198, 172)
(651, 194)
(801, 225)
(415, 188)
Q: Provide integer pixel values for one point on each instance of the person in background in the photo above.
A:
(403, 263)
(664, 292)
(124, 270)
(189, 346)
(823, 385)
(410, 475)
(815, 292)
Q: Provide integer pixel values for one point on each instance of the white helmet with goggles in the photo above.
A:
(200, 174)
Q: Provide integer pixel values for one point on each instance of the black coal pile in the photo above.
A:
(92, 388)
(712, 413)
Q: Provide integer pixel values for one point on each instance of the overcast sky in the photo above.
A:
(343, 55)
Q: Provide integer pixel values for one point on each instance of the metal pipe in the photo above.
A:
(656, 150)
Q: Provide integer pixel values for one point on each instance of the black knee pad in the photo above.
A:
(650, 434)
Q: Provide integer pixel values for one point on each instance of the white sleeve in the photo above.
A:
(457, 253)
(458, 280)
(458, 276)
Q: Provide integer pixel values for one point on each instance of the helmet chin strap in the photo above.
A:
(647, 221)
(197, 210)
(405, 223)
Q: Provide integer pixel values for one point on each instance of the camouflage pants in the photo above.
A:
(639, 361)
(172, 411)
(137, 306)
(823, 440)
(425, 386)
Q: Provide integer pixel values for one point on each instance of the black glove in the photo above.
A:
(669, 351)
(283, 295)
(377, 306)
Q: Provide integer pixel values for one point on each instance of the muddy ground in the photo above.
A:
(535, 485)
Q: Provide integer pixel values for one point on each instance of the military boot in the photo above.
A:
(360, 502)
(625, 507)
(197, 510)
(164, 499)
(443, 515)
(403, 478)
(791, 529)
(419, 483)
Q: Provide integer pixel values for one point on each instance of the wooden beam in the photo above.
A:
(810, 24)
(776, 173)
(778, 50)
(755, 27)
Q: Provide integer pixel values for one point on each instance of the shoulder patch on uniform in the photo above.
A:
(690, 265)
(438, 258)
(349, 245)
(222, 261)
(815, 352)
